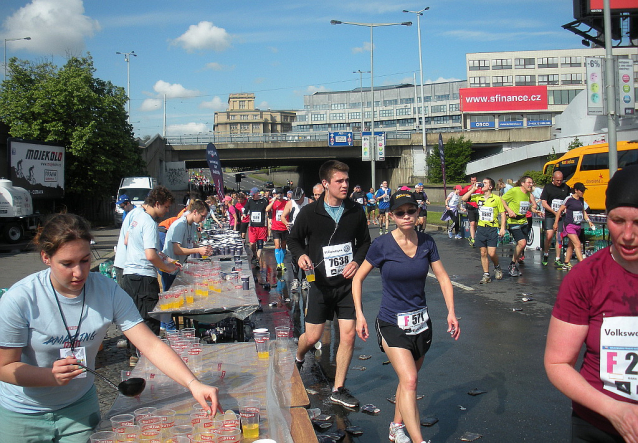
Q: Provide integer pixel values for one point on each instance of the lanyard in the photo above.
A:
(77, 331)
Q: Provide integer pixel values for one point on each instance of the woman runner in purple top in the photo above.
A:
(404, 329)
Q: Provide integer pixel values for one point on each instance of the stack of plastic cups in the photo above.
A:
(195, 357)
(121, 424)
(283, 337)
(150, 427)
(187, 333)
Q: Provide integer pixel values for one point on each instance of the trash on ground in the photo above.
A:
(476, 391)
(525, 299)
(323, 417)
(354, 430)
(462, 408)
(323, 425)
(314, 412)
(517, 309)
(335, 435)
(470, 436)
(365, 357)
(392, 399)
(325, 439)
(311, 391)
(430, 420)
(370, 409)
(419, 396)
(358, 368)
(387, 362)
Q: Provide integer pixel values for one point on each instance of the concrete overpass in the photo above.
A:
(404, 155)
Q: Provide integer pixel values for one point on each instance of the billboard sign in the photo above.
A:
(614, 5)
(482, 125)
(626, 100)
(594, 68)
(503, 98)
(532, 123)
(340, 139)
(369, 148)
(37, 167)
(510, 124)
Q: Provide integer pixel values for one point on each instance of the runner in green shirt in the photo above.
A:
(491, 217)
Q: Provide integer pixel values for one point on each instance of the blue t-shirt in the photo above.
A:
(370, 198)
(384, 195)
(30, 319)
(142, 235)
(179, 232)
(403, 278)
(120, 250)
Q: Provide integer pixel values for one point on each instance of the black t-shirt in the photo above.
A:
(256, 211)
(421, 197)
(555, 196)
(358, 197)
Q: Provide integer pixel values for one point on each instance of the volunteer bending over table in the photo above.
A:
(53, 319)
(597, 305)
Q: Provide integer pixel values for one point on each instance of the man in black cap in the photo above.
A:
(597, 304)
(358, 196)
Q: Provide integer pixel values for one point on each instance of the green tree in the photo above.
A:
(576, 143)
(457, 155)
(70, 107)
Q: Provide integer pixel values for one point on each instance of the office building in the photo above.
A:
(242, 118)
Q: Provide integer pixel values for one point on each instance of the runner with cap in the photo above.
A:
(291, 211)
(382, 196)
(278, 227)
(359, 196)
(597, 305)
(422, 199)
(574, 209)
(404, 328)
(255, 210)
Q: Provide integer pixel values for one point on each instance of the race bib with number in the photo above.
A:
(619, 356)
(414, 322)
(336, 258)
(360, 200)
(386, 197)
(486, 214)
(556, 204)
(278, 213)
(255, 217)
(578, 216)
(523, 207)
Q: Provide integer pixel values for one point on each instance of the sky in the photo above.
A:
(197, 52)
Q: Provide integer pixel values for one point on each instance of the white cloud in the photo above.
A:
(57, 27)
(216, 104)
(203, 36)
(151, 104)
(174, 90)
(366, 47)
(442, 80)
(187, 128)
(264, 105)
(214, 66)
(312, 89)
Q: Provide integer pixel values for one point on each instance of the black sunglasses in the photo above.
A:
(402, 213)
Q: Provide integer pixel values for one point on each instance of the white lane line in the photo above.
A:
(458, 285)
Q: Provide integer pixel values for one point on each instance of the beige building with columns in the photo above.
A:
(242, 118)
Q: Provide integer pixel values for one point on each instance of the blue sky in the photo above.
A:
(198, 51)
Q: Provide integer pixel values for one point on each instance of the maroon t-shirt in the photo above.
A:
(598, 288)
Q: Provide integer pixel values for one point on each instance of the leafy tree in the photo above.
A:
(457, 155)
(539, 178)
(70, 107)
(576, 143)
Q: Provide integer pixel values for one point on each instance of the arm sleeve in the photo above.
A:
(375, 254)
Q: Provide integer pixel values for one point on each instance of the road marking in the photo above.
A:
(458, 285)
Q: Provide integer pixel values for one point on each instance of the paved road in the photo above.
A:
(500, 351)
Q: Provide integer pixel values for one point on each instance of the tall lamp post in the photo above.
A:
(360, 72)
(127, 59)
(418, 25)
(373, 151)
(5, 50)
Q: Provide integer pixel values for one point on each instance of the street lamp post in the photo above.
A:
(418, 25)
(5, 50)
(127, 59)
(360, 72)
(373, 151)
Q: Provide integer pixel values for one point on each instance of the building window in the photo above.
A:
(393, 102)
(338, 116)
(539, 120)
(454, 107)
(406, 101)
(302, 118)
(502, 63)
(355, 105)
(388, 123)
(406, 122)
(242, 104)
(426, 99)
(245, 126)
(338, 106)
(439, 108)
(303, 128)
(387, 113)
(442, 97)
(525, 80)
(455, 118)
(524, 63)
(339, 126)
(502, 80)
(256, 127)
(548, 62)
(570, 62)
(456, 96)
(354, 116)
(244, 117)
(323, 127)
(417, 111)
(233, 127)
(561, 96)
(479, 65)
(571, 79)
(551, 79)
(441, 120)
(479, 82)
(317, 117)
(404, 111)
(233, 116)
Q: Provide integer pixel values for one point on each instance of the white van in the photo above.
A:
(136, 188)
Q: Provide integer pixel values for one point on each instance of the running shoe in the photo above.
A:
(558, 263)
(458, 237)
(513, 270)
(450, 234)
(471, 240)
(397, 433)
(521, 260)
(305, 284)
(486, 279)
(294, 286)
(498, 273)
(566, 266)
(545, 259)
(343, 397)
(299, 364)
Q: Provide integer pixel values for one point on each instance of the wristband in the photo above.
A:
(189, 383)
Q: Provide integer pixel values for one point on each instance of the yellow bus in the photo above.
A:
(590, 166)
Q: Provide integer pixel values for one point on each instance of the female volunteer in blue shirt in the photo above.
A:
(404, 329)
(53, 316)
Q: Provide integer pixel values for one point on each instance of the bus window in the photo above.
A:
(627, 158)
(567, 167)
(592, 162)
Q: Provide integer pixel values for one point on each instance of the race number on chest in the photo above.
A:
(336, 257)
(619, 356)
(413, 322)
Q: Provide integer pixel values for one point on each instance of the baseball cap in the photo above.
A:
(578, 186)
(123, 198)
(622, 189)
(419, 184)
(401, 198)
(297, 193)
(278, 191)
(458, 187)
(228, 198)
(357, 186)
(254, 191)
(404, 188)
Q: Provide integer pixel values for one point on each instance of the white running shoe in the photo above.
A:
(294, 286)
(397, 433)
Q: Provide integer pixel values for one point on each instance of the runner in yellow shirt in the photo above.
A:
(491, 216)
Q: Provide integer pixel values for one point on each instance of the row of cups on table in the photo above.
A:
(262, 340)
(154, 425)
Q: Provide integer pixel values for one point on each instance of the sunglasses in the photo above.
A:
(402, 213)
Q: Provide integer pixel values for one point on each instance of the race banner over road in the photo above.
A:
(505, 98)
(215, 166)
(37, 167)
